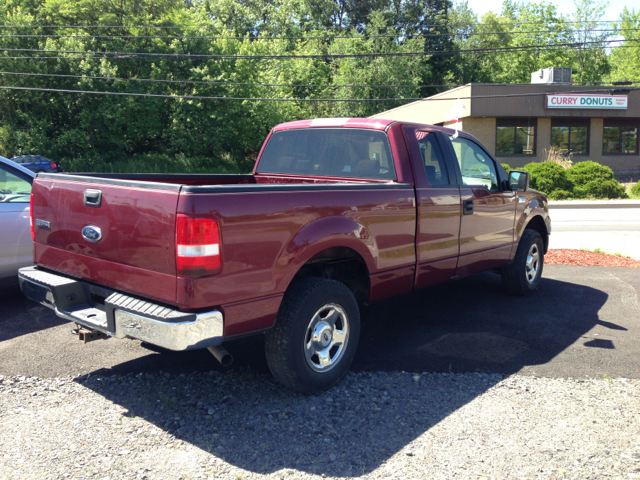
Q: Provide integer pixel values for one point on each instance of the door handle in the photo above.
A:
(467, 207)
(92, 198)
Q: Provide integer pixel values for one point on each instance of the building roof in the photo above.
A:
(505, 100)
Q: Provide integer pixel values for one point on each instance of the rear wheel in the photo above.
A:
(522, 276)
(315, 337)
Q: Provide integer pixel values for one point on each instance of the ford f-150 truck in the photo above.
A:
(337, 213)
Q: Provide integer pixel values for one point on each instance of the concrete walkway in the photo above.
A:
(611, 225)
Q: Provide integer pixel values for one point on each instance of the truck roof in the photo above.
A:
(371, 123)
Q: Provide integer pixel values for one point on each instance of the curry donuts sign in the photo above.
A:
(586, 101)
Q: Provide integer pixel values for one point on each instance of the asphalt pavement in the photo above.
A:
(583, 321)
(613, 226)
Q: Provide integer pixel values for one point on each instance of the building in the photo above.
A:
(520, 123)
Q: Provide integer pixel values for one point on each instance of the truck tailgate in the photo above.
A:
(136, 220)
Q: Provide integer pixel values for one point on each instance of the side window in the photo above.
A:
(476, 166)
(432, 158)
(14, 188)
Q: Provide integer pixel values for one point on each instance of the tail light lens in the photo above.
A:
(53, 165)
(197, 246)
(31, 222)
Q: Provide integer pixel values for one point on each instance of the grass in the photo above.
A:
(599, 250)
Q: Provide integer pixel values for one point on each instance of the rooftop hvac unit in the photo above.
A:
(552, 75)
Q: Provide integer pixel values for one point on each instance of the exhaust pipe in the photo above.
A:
(221, 355)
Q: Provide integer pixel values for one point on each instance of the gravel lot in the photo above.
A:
(382, 425)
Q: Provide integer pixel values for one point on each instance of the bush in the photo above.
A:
(506, 167)
(635, 190)
(548, 177)
(560, 195)
(585, 172)
(609, 189)
(593, 180)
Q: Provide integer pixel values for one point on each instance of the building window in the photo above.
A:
(620, 138)
(515, 136)
(570, 135)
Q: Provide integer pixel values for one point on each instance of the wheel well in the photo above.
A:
(537, 224)
(341, 264)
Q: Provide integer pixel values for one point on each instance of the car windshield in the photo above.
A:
(329, 152)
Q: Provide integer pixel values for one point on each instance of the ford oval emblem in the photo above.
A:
(92, 234)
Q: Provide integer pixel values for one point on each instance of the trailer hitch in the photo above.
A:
(86, 335)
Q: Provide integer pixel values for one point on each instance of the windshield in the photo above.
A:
(329, 152)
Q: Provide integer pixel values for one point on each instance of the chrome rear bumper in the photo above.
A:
(120, 315)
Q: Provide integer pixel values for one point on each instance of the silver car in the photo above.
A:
(16, 246)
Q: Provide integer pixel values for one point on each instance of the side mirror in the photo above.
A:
(519, 180)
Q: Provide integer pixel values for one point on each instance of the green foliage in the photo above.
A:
(548, 177)
(606, 189)
(584, 172)
(560, 195)
(124, 133)
(506, 167)
(626, 61)
(635, 190)
(583, 180)
(593, 180)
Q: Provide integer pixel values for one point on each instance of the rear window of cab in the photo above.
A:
(329, 152)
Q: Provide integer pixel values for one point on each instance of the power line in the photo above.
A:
(223, 83)
(197, 97)
(202, 27)
(322, 55)
(124, 57)
(204, 82)
(359, 36)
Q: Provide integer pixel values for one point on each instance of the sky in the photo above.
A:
(480, 7)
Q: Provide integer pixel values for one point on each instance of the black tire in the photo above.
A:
(517, 277)
(289, 344)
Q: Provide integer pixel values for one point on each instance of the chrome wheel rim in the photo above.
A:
(326, 338)
(533, 263)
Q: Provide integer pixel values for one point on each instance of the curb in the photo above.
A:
(572, 204)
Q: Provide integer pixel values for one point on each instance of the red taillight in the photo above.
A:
(33, 230)
(197, 246)
(53, 165)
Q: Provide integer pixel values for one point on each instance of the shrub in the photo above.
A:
(585, 172)
(506, 167)
(635, 190)
(547, 177)
(593, 180)
(560, 195)
(608, 189)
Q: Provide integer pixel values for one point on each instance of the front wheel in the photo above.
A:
(315, 337)
(522, 276)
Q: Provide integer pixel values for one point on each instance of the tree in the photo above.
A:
(590, 54)
(626, 61)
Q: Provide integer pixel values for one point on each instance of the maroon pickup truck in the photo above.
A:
(337, 213)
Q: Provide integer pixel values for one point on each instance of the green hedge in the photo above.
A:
(549, 178)
(592, 180)
(635, 190)
(582, 180)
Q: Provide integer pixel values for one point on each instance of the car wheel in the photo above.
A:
(522, 276)
(315, 337)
